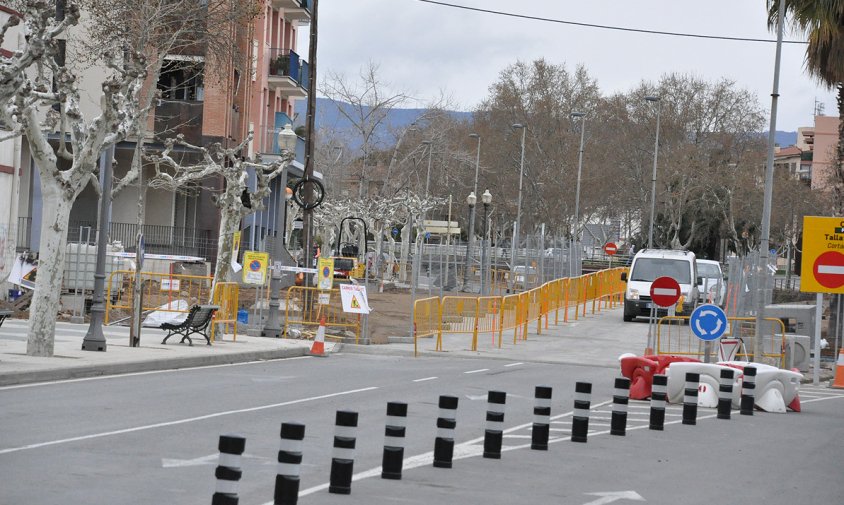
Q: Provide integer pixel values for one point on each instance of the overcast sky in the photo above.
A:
(423, 48)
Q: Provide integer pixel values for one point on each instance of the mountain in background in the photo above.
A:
(329, 117)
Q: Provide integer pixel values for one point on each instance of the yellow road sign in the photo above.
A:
(823, 255)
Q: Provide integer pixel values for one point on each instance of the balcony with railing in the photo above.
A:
(288, 73)
(295, 10)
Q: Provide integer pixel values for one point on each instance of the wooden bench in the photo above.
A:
(198, 321)
(4, 314)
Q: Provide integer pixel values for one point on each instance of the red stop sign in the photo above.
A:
(829, 269)
(610, 248)
(665, 291)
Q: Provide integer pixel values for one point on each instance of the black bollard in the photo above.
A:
(289, 462)
(541, 419)
(690, 398)
(228, 471)
(658, 395)
(748, 391)
(343, 456)
(620, 398)
(580, 417)
(446, 422)
(391, 464)
(725, 393)
(494, 432)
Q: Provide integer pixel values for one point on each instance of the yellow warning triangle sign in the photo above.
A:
(355, 302)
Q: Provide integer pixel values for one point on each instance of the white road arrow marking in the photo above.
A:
(211, 459)
(614, 496)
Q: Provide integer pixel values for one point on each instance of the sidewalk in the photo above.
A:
(70, 361)
(593, 340)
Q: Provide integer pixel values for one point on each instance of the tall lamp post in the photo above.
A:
(653, 177)
(94, 338)
(471, 200)
(519, 207)
(471, 234)
(272, 328)
(582, 117)
(486, 198)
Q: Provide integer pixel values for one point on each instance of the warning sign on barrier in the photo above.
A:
(354, 299)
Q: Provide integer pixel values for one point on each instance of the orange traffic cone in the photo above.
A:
(838, 383)
(318, 347)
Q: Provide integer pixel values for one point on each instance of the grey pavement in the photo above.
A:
(591, 340)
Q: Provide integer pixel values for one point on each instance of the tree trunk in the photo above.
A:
(229, 223)
(406, 239)
(48, 281)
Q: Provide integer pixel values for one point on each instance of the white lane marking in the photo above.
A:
(477, 371)
(513, 364)
(150, 372)
(425, 379)
(182, 421)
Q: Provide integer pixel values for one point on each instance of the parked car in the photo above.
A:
(713, 289)
(648, 264)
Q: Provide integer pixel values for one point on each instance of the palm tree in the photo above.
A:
(823, 23)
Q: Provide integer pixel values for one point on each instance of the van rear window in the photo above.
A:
(648, 269)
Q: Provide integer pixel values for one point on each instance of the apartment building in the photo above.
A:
(257, 96)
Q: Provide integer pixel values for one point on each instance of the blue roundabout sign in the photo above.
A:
(708, 322)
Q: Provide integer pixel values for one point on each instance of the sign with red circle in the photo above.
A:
(829, 269)
(665, 291)
(610, 248)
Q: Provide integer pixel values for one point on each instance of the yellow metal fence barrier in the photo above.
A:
(476, 316)
(226, 296)
(158, 292)
(678, 339)
(302, 308)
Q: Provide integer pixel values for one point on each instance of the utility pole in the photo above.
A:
(308, 213)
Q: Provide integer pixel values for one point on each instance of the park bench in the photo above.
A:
(4, 314)
(198, 321)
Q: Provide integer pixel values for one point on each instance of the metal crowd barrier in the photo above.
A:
(677, 338)
(475, 316)
(303, 307)
(159, 292)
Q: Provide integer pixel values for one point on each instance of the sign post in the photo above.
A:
(823, 269)
(610, 249)
(665, 291)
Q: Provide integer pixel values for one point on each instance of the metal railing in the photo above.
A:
(159, 292)
(303, 308)
(288, 63)
(158, 239)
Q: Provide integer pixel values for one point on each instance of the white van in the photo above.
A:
(647, 265)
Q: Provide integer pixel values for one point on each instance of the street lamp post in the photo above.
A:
(519, 206)
(272, 328)
(471, 200)
(653, 177)
(582, 116)
(425, 214)
(471, 235)
(486, 198)
(94, 338)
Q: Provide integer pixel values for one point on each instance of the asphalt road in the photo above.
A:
(151, 438)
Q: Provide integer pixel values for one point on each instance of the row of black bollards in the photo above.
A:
(228, 470)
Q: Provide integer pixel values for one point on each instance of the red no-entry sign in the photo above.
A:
(665, 291)
(610, 248)
(829, 269)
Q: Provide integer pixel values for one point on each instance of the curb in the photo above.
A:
(56, 374)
